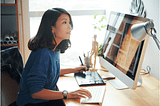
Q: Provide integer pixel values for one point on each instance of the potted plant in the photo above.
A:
(99, 24)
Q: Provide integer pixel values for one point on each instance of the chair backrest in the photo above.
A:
(11, 70)
(12, 62)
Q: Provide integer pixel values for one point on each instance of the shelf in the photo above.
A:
(8, 14)
(8, 4)
(9, 45)
(10, 21)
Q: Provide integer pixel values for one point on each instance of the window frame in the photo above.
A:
(72, 12)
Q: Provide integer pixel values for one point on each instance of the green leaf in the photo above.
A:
(95, 15)
(95, 27)
(103, 17)
(99, 29)
(103, 26)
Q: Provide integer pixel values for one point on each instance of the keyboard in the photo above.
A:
(97, 95)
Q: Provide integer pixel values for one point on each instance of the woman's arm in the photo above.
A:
(73, 70)
(46, 94)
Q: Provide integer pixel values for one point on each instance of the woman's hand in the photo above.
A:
(80, 69)
(73, 70)
(81, 93)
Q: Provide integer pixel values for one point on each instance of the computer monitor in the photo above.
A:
(121, 54)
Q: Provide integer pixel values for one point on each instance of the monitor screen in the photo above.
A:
(120, 50)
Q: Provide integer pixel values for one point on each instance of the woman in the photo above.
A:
(42, 70)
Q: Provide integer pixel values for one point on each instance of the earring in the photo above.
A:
(54, 35)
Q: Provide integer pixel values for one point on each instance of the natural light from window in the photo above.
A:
(42, 5)
(82, 33)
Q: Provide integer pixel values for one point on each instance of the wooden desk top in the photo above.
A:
(146, 95)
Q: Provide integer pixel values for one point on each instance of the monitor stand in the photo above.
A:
(120, 85)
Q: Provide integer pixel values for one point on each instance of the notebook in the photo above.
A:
(97, 95)
(89, 78)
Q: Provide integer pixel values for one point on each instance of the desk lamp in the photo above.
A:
(139, 31)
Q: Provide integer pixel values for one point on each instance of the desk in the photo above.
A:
(146, 95)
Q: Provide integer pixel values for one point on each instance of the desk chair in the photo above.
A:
(11, 70)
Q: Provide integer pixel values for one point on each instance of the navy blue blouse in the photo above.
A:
(41, 71)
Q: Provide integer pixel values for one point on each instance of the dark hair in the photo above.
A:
(44, 37)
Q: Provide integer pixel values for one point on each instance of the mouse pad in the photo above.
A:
(89, 78)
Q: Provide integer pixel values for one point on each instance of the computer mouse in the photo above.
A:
(108, 77)
(83, 75)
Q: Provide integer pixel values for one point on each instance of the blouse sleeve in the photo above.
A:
(37, 77)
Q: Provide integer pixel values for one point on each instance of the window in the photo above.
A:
(42, 5)
(82, 12)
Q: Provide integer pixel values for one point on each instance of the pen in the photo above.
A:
(84, 54)
(81, 62)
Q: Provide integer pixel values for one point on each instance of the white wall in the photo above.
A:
(152, 55)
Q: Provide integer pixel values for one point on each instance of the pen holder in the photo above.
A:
(87, 62)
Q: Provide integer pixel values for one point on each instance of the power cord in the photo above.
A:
(147, 71)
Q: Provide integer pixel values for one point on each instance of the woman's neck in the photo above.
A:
(57, 42)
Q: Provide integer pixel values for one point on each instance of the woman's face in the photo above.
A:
(62, 29)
